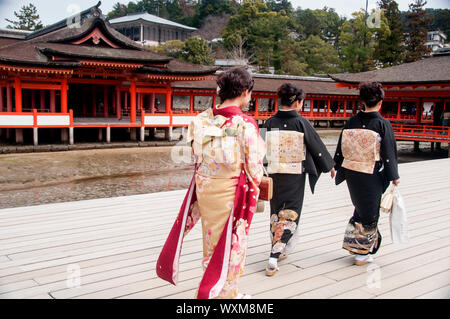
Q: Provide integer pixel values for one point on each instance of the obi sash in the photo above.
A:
(285, 152)
(361, 149)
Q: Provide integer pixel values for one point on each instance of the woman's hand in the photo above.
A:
(333, 172)
(396, 182)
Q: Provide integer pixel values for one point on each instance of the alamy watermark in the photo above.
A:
(73, 276)
(74, 20)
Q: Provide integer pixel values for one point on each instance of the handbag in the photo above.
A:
(266, 187)
(398, 220)
(387, 200)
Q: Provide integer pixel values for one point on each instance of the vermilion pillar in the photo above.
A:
(33, 99)
(328, 108)
(1, 99)
(52, 101)
(133, 102)
(105, 101)
(152, 103)
(118, 104)
(419, 106)
(94, 102)
(42, 100)
(169, 102)
(8, 98)
(18, 94)
(399, 109)
(84, 102)
(64, 89)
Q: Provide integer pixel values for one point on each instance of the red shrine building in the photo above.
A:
(417, 98)
(80, 75)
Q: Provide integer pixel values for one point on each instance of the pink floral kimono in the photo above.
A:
(223, 192)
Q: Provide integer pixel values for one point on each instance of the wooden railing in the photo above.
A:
(425, 133)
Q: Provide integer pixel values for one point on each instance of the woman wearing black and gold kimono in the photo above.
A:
(366, 157)
(294, 149)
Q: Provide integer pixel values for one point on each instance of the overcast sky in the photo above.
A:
(52, 11)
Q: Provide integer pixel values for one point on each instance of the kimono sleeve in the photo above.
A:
(388, 152)
(338, 158)
(254, 152)
(317, 149)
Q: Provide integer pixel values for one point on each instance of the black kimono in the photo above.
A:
(288, 189)
(362, 235)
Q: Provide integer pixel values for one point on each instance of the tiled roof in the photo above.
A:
(427, 71)
(263, 83)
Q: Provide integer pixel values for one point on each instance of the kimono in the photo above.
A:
(366, 157)
(300, 151)
(223, 193)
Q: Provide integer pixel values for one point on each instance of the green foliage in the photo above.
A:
(440, 20)
(193, 50)
(358, 42)
(417, 21)
(324, 23)
(197, 51)
(172, 48)
(262, 29)
(391, 50)
(27, 19)
(270, 33)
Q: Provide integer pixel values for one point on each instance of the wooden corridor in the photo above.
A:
(114, 243)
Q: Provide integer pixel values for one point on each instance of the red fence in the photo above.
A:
(423, 133)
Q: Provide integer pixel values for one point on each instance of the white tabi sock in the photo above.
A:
(273, 262)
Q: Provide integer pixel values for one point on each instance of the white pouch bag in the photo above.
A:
(398, 220)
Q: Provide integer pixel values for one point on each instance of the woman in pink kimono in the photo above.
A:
(228, 153)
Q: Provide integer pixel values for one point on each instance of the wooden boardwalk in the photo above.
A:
(114, 243)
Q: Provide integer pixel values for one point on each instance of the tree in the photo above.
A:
(358, 42)
(280, 5)
(197, 51)
(119, 10)
(205, 8)
(28, 19)
(391, 51)
(417, 21)
(324, 23)
(320, 56)
(172, 48)
(309, 57)
(263, 30)
(441, 20)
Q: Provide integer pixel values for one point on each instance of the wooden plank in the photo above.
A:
(417, 288)
(116, 242)
(441, 293)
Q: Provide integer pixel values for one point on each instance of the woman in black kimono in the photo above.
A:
(294, 149)
(366, 157)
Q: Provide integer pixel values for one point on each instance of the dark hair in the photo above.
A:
(289, 93)
(233, 83)
(371, 93)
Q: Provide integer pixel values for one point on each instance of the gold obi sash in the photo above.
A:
(361, 149)
(285, 152)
